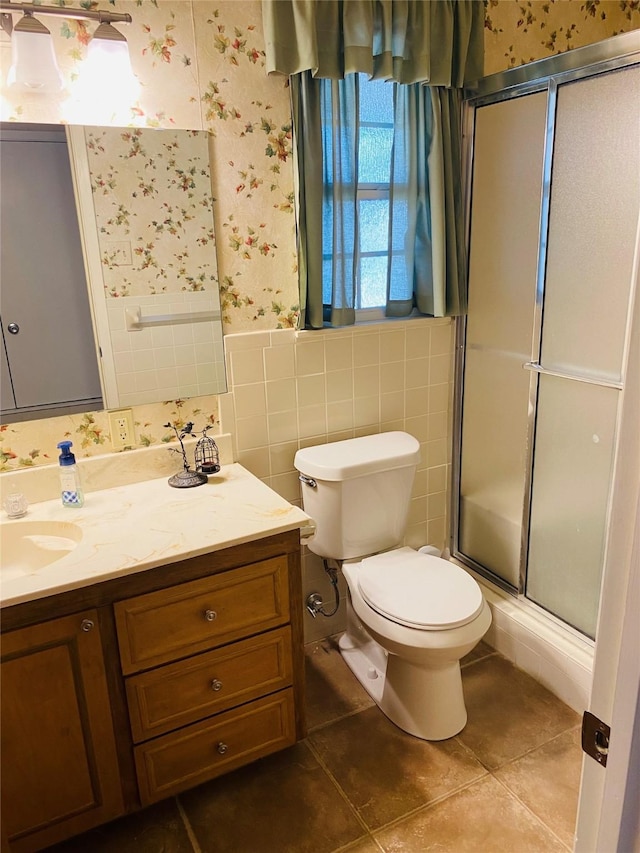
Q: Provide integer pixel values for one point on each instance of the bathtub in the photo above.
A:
(552, 652)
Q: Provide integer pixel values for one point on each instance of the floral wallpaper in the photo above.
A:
(200, 64)
(153, 209)
(23, 445)
(521, 31)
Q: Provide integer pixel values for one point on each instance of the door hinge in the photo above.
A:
(595, 738)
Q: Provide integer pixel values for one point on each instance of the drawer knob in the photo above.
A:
(210, 615)
(216, 685)
(87, 625)
(222, 748)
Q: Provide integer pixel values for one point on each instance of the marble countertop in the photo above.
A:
(127, 529)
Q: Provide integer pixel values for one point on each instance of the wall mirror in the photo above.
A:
(109, 285)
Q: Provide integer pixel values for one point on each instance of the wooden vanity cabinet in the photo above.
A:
(147, 685)
(59, 765)
(221, 642)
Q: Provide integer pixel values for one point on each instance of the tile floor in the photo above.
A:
(508, 782)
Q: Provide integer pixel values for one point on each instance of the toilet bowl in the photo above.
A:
(411, 616)
(404, 643)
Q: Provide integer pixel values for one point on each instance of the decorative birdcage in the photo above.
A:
(207, 456)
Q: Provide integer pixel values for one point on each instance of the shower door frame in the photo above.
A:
(545, 75)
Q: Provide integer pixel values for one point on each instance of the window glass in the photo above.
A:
(374, 155)
(373, 273)
(376, 101)
(375, 144)
(374, 225)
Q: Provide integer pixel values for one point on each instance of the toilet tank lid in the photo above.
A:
(355, 457)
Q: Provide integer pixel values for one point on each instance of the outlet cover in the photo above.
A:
(122, 429)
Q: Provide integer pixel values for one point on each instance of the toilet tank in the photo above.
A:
(360, 500)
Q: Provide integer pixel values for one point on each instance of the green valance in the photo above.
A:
(434, 42)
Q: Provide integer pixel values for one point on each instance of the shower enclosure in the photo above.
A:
(553, 201)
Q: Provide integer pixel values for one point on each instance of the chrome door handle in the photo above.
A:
(536, 367)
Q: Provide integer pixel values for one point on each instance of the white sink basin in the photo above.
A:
(27, 546)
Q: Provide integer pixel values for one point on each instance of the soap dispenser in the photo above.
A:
(69, 476)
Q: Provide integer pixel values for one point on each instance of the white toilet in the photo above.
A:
(411, 616)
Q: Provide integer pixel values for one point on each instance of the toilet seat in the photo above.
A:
(419, 590)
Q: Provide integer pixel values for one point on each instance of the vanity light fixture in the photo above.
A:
(106, 78)
(34, 67)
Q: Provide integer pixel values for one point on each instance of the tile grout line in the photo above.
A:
(479, 660)
(533, 749)
(346, 716)
(354, 845)
(338, 787)
(531, 812)
(189, 829)
(432, 803)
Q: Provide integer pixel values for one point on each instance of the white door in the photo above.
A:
(609, 808)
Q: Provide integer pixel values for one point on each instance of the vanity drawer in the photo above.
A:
(183, 620)
(181, 693)
(190, 756)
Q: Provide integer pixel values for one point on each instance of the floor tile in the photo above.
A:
(483, 818)
(159, 827)
(367, 845)
(384, 772)
(547, 781)
(285, 803)
(332, 689)
(413, 795)
(509, 713)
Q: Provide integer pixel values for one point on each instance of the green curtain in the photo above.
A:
(438, 42)
(446, 162)
(315, 139)
(425, 203)
(322, 44)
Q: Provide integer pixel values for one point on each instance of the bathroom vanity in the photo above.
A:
(174, 656)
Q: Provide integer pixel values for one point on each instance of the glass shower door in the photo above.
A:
(555, 203)
(509, 143)
(593, 217)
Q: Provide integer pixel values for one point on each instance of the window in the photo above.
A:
(369, 252)
(371, 157)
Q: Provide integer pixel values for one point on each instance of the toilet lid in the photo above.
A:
(419, 590)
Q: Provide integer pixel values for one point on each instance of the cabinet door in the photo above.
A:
(52, 356)
(59, 765)
(7, 399)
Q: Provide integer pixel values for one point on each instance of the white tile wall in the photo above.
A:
(292, 389)
(166, 361)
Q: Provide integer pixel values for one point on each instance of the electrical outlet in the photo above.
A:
(122, 429)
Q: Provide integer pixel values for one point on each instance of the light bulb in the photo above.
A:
(106, 87)
(34, 67)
